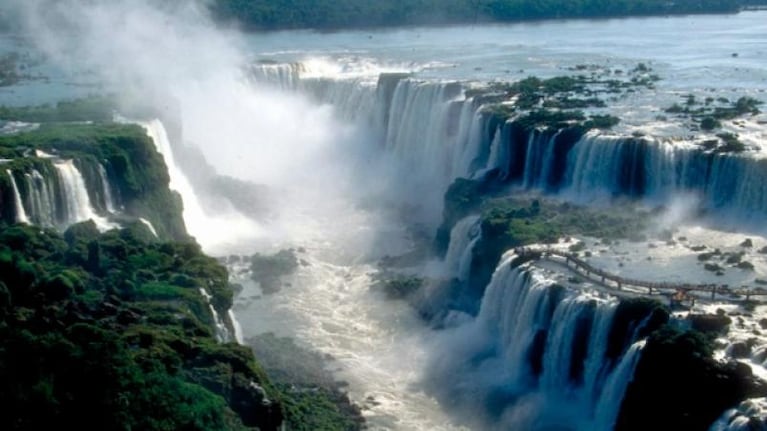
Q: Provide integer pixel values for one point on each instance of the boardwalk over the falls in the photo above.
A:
(614, 281)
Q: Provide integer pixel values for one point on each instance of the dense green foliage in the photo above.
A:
(109, 331)
(334, 14)
(134, 167)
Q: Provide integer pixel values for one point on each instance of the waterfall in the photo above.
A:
(108, 201)
(463, 237)
(219, 230)
(149, 226)
(77, 203)
(42, 196)
(238, 337)
(436, 134)
(21, 214)
(353, 99)
(421, 132)
(748, 416)
(498, 154)
(194, 216)
(281, 76)
(222, 333)
(542, 354)
(615, 387)
(658, 170)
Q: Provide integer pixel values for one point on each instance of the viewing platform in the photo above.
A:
(677, 291)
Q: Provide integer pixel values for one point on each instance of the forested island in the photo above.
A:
(338, 14)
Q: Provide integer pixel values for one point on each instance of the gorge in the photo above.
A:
(366, 166)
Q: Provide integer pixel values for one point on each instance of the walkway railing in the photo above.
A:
(577, 264)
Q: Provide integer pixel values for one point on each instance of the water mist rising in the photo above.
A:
(536, 357)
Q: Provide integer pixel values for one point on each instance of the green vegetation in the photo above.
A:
(134, 167)
(513, 222)
(108, 331)
(335, 14)
(508, 223)
(557, 103)
(709, 115)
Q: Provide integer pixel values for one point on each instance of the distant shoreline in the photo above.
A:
(243, 23)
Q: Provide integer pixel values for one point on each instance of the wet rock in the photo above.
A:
(710, 323)
(739, 350)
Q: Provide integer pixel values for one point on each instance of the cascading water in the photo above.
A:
(106, 189)
(659, 170)
(222, 332)
(436, 135)
(464, 235)
(748, 416)
(529, 334)
(212, 231)
(282, 76)
(42, 196)
(149, 225)
(539, 356)
(429, 129)
(615, 387)
(77, 203)
(21, 214)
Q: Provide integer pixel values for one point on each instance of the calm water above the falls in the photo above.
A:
(690, 52)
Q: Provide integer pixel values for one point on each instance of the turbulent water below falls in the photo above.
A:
(379, 347)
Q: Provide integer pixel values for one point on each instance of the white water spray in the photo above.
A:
(213, 231)
(466, 233)
(76, 200)
(106, 189)
(21, 214)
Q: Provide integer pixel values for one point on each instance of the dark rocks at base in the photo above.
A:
(268, 270)
(678, 381)
(709, 323)
(630, 312)
(397, 286)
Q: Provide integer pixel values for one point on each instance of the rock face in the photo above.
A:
(677, 384)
